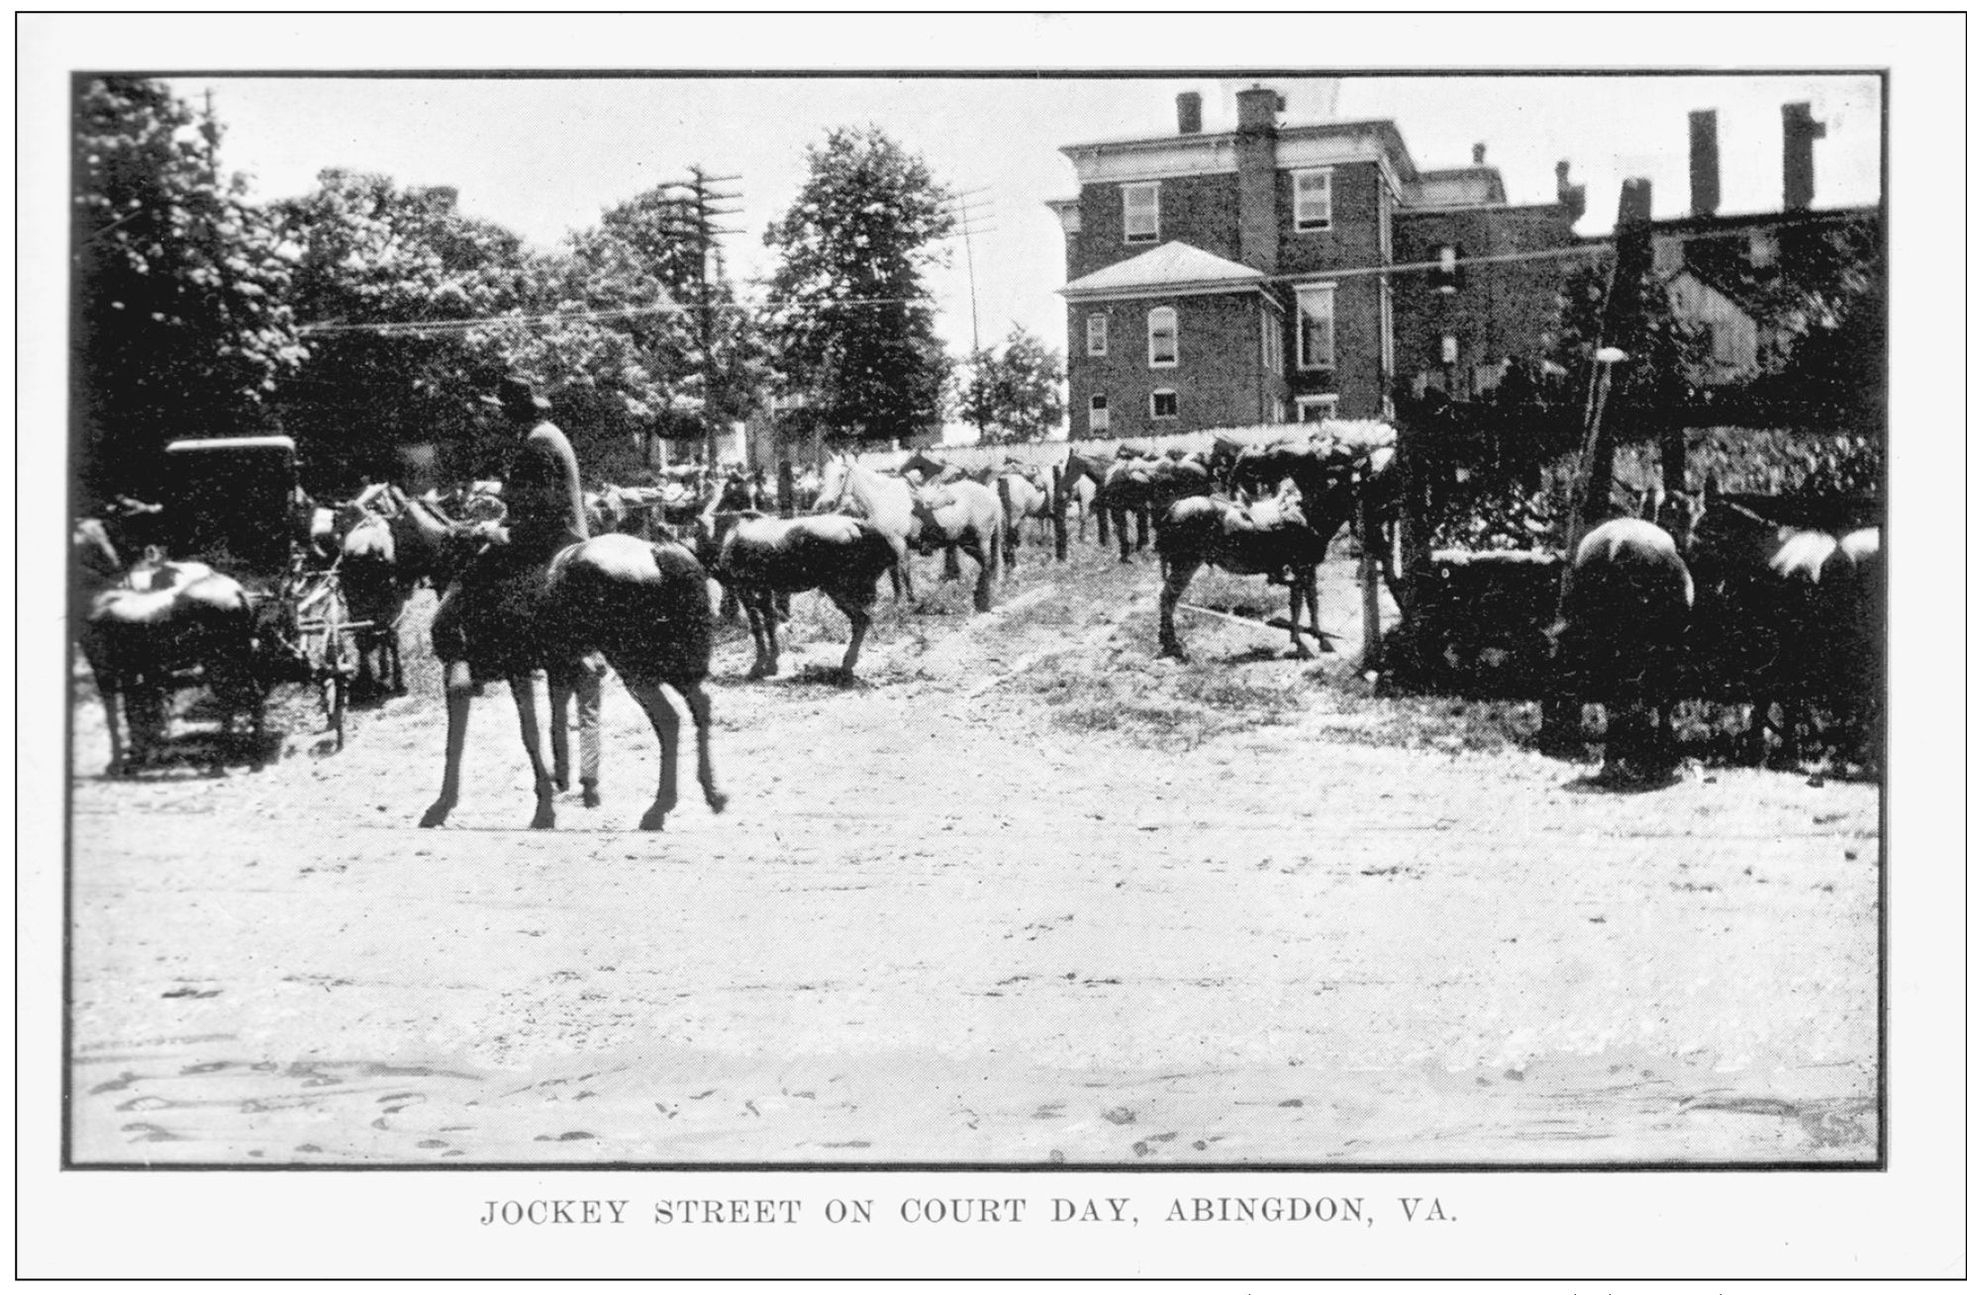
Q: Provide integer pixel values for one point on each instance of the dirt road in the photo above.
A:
(1023, 895)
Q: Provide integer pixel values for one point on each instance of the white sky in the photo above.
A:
(545, 156)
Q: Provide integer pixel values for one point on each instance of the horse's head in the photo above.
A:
(833, 484)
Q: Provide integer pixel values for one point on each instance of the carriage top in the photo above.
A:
(234, 502)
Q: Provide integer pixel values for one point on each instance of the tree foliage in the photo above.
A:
(853, 327)
(181, 323)
(403, 292)
(1013, 394)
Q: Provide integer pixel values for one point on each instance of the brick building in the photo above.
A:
(1279, 273)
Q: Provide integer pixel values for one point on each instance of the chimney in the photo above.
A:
(1257, 109)
(1570, 196)
(1188, 113)
(1800, 132)
(1256, 177)
(1479, 151)
(1703, 163)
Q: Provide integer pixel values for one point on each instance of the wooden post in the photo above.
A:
(1369, 587)
(787, 506)
(1058, 513)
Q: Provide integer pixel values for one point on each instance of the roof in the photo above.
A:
(1385, 130)
(1172, 266)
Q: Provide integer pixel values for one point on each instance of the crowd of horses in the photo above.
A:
(1702, 599)
(1797, 614)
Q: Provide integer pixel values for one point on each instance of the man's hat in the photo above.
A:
(516, 397)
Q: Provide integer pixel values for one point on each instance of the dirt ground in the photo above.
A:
(1024, 894)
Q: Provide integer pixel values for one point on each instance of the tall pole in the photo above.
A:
(701, 205)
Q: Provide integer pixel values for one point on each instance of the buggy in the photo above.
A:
(236, 504)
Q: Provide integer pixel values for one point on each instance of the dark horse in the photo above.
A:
(141, 629)
(764, 558)
(643, 606)
(1620, 640)
(1782, 613)
(1269, 538)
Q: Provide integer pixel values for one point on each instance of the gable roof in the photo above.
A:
(1172, 268)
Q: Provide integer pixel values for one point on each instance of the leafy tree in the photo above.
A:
(181, 325)
(853, 327)
(402, 292)
(709, 348)
(1014, 395)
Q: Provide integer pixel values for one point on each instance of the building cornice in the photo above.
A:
(1151, 292)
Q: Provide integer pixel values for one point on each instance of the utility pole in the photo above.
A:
(700, 203)
(960, 205)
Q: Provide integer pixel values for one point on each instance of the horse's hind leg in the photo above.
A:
(698, 701)
(457, 707)
(755, 617)
(656, 705)
(1180, 572)
(521, 684)
(587, 711)
(1298, 648)
(559, 690)
(112, 704)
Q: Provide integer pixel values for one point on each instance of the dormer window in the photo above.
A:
(1141, 210)
(1311, 199)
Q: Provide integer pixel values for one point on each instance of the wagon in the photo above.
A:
(236, 503)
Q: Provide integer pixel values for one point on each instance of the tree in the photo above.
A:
(712, 348)
(181, 325)
(404, 295)
(1014, 395)
(852, 325)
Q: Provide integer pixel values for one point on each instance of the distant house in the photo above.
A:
(1736, 342)
(1288, 273)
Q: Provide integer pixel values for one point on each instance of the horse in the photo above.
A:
(1620, 639)
(376, 594)
(1765, 618)
(1853, 590)
(1368, 486)
(1023, 496)
(847, 486)
(141, 628)
(1270, 538)
(644, 607)
(1080, 480)
(764, 559)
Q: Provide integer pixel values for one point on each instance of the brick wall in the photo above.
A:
(1496, 311)
(1198, 210)
(1217, 383)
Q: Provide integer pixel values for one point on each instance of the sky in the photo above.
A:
(546, 156)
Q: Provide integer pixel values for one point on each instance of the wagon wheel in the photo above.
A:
(332, 650)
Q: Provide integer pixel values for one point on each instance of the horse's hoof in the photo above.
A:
(1301, 652)
(542, 819)
(435, 815)
(590, 795)
(560, 782)
(717, 801)
(651, 821)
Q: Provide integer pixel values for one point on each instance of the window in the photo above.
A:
(1446, 274)
(1451, 349)
(1141, 208)
(1096, 334)
(1311, 193)
(1276, 409)
(1161, 350)
(1096, 412)
(1163, 404)
(1272, 343)
(1315, 326)
(1316, 409)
